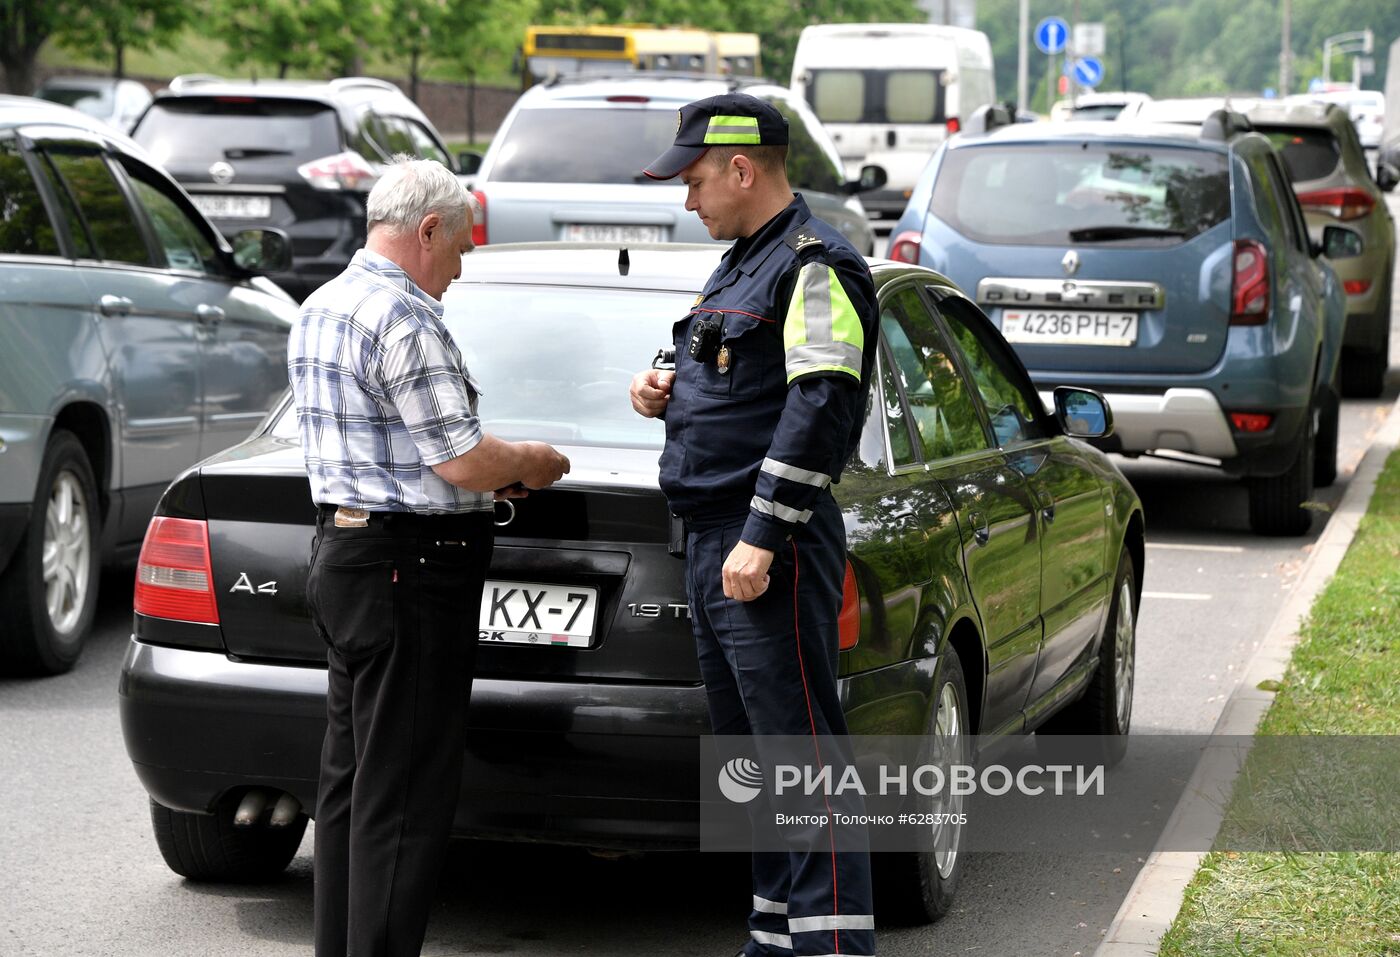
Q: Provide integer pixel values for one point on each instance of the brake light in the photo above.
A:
(479, 222)
(1250, 294)
(904, 248)
(1356, 287)
(1346, 202)
(848, 622)
(1251, 421)
(173, 577)
(629, 99)
(348, 171)
(953, 125)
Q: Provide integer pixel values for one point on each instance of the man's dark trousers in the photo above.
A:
(770, 667)
(397, 602)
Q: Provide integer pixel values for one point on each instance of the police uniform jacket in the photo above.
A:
(766, 424)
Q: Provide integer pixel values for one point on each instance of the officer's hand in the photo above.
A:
(746, 572)
(651, 390)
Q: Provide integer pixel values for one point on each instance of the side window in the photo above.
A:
(1012, 404)
(184, 243)
(25, 227)
(424, 146)
(77, 229)
(808, 166)
(943, 409)
(110, 221)
(1283, 194)
(392, 134)
(901, 445)
(1266, 198)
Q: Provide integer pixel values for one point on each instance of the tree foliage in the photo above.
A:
(311, 36)
(109, 28)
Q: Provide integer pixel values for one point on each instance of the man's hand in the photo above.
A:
(746, 572)
(545, 465)
(511, 491)
(651, 390)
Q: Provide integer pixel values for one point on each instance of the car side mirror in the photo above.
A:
(469, 162)
(1387, 175)
(262, 251)
(1083, 413)
(871, 177)
(1338, 242)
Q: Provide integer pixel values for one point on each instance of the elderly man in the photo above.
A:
(404, 479)
(763, 411)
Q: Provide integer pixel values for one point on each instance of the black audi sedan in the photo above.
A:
(992, 580)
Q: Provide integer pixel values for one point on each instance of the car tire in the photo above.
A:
(209, 847)
(917, 887)
(1106, 707)
(1325, 445)
(50, 605)
(1276, 503)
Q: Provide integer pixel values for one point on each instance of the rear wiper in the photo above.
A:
(252, 152)
(1097, 233)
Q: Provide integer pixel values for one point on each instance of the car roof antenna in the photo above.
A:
(623, 263)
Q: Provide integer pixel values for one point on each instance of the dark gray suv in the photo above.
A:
(133, 342)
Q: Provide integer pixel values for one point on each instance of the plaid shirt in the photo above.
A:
(381, 393)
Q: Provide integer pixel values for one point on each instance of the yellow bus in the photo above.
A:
(551, 51)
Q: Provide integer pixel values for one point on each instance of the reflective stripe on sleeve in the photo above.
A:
(822, 332)
(794, 474)
(803, 925)
(764, 906)
(778, 510)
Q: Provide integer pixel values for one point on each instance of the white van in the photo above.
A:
(889, 93)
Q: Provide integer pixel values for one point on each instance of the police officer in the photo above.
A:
(762, 412)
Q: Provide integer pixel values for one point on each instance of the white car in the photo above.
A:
(1365, 107)
(567, 164)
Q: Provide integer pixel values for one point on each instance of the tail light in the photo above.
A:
(1344, 203)
(1356, 287)
(479, 222)
(848, 622)
(348, 171)
(904, 248)
(1250, 295)
(1251, 421)
(173, 577)
(953, 125)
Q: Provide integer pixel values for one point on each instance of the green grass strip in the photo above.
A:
(1344, 679)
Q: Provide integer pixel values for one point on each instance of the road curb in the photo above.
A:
(1155, 897)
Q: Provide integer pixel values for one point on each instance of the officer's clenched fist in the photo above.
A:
(745, 572)
(651, 390)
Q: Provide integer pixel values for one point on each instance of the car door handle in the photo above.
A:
(981, 531)
(1047, 505)
(110, 305)
(208, 315)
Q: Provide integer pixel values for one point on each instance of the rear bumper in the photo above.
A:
(586, 763)
(1192, 421)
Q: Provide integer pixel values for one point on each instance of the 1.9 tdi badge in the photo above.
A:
(723, 360)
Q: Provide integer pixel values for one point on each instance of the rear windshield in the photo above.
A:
(207, 129)
(583, 145)
(1056, 194)
(877, 96)
(1308, 153)
(563, 373)
(93, 102)
(1099, 111)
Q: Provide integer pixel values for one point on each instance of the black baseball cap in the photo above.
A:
(730, 119)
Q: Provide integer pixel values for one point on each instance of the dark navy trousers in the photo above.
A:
(769, 667)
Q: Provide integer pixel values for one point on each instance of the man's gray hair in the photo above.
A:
(410, 189)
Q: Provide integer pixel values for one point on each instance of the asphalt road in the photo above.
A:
(82, 876)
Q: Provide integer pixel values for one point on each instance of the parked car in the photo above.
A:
(889, 93)
(1186, 109)
(567, 163)
(1168, 266)
(1365, 108)
(1095, 106)
(119, 103)
(1348, 218)
(296, 155)
(133, 342)
(993, 580)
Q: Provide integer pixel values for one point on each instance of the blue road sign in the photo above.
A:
(1088, 71)
(1051, 34)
